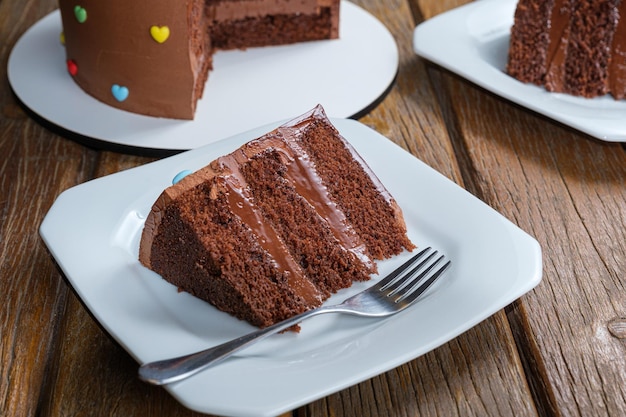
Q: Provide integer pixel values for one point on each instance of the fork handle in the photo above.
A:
(176, 369)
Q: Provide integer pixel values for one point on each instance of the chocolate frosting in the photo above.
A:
(162, 75)
(113, 46)
(559, 34)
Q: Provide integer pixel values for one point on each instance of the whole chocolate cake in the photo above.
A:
(576, 47)
(275, 227)
(153, 57)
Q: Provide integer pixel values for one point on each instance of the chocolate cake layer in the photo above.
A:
(592, 27)
(369, 208)
(279, 29)
(529, 41)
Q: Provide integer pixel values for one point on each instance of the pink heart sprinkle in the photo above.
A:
(72, 68)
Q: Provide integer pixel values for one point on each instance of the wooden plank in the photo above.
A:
(429, 8)
(476, 374)
(567, 190)
(34, 168)
(410, 114)
(94, 376)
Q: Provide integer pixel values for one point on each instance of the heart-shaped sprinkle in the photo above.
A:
(80, 13)
(160, 34)
(119, 92)
(62, 38)
(72, 68)
(180, 176)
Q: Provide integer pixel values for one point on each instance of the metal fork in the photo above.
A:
(390, 295)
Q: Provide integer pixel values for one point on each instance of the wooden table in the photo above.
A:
(559, 350)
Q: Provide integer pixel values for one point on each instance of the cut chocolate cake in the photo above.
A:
(275, 227)
(576, 47)
(153, 57)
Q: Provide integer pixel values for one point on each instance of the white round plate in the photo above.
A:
(246, 88)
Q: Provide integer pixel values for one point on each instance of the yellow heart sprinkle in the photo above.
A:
(160, 34)
(62, 38)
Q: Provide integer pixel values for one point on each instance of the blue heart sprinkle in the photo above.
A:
(180, 176)
(119, 92)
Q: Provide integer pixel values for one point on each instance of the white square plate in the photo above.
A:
(93, 232)
(473, 41)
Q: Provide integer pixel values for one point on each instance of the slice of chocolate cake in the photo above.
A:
(570, 46)
(275, 227)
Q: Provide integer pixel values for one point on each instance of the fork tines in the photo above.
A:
(407, 281)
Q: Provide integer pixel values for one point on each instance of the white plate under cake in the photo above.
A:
(473, 41)
(494, 263)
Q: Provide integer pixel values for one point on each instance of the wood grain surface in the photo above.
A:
(557, 351)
